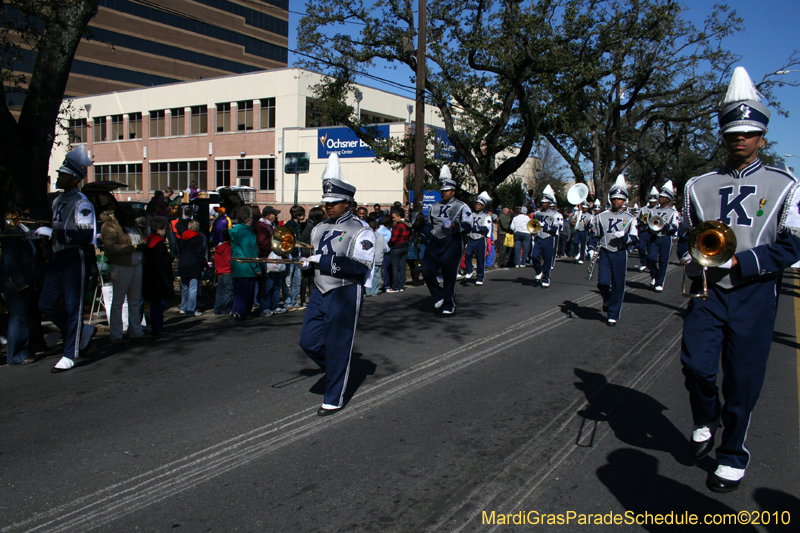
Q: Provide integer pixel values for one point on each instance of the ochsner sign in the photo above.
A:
(344, 142)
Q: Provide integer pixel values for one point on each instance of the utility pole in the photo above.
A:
(419, 129)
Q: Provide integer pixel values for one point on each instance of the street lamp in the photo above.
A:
(786, 71)
(791, 155)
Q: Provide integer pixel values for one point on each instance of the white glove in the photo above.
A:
(727, 264)
(304, 264)
(44, 231)
(686, 259)
(591, 254)
(447, 223)
(619, 234)
(314, 258)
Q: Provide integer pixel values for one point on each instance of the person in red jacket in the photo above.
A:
(222, 264)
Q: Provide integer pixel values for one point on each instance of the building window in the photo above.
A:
(177, 122)
(135, 126)
(177, 175)
(131, 175)
(158, 123)
(77, 131)
(244, 172)
(223, 117)
(117, 133)
(245, 122)
(267, 113)
(99, 129)
(224, 173)
(199, 119)
(197, 173)
(266, 180)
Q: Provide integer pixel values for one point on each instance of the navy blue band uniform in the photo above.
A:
(448, 224)
(644, 237)
(544, 244)
(583, 224)
(345, 248)
(476, 244)
(762, 207)
(612, 233)
(660, 245)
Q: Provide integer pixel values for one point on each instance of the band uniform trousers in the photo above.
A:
(580, 241)
(644, 248)
(544, 249)
(612, 269)
(659, 251)
(66, 281)
(444, 254)
(477, 248)
(327, 335)
(735, 326)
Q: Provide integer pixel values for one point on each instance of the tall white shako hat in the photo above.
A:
(334, 189)
(549, 195)
(742, 110)
(653, 196)
(484, 198)
(585, 204)
(619, 189)
(668, 190)
(446, 181)
(76, 162)
(597, 205)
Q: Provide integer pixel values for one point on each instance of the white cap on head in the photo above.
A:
(76, 162)
(668, 190)
(333, 169)
(742, 110)
(653, 196)
(549, 195)
(484, 198)
(619, 189)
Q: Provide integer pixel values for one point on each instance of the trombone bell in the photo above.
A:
(656, 223)
(533, 226)
(282, 241)
(711, 244)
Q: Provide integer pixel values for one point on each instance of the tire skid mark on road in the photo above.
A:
(106, 505)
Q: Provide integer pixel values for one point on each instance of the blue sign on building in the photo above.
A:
(428, 199)
(444, 147)
(344, 142)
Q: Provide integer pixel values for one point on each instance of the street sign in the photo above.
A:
(296, 163)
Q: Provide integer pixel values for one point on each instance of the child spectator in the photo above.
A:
(157, 273)
(222, 264)
(191, 263)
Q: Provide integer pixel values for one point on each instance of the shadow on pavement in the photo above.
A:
(632, 478)
(637, 419)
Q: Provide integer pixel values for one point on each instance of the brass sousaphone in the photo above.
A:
(711, 244)
(578, 193)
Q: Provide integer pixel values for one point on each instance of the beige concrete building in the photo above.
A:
(233, 130)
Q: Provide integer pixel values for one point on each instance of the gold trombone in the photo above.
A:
(533, 226)
(711, 244)
(283, 241)
(13, 220)
(655, 223)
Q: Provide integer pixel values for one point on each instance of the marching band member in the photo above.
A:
(476, 245)
(344, 253)
(614, 229)
(644, 235)
(736, 322)
(544, 247)
(582, 224)
(73, 236)
(661, 241)
(448, 220)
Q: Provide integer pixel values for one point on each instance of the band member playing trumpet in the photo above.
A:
(343, 259)
(613, 230)
(544, 245)
(736, 321)
(660, 246)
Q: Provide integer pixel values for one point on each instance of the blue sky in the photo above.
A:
(771, 33)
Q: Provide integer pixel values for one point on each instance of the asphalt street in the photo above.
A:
(522, 404)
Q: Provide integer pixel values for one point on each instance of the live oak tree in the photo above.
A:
(50, 30)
